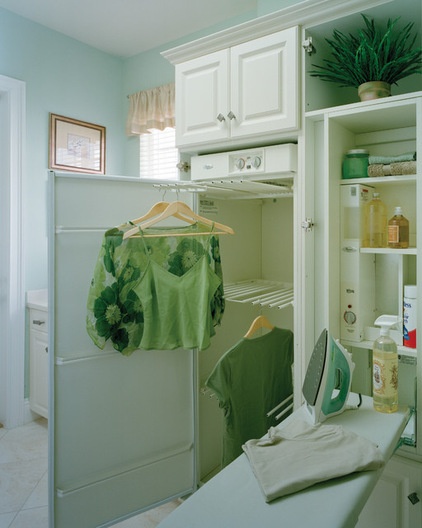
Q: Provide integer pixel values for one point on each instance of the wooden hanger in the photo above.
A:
(156, 209)
(182, 211)
(259, 322)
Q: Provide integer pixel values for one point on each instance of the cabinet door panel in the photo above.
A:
(122, 433)
(264, 84)
(38, 395)
(389, 506)
(201, 96)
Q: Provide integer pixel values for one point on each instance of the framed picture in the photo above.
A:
(76, 146)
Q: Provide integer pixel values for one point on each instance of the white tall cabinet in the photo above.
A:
(385, 127)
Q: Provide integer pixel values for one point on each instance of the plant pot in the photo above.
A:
(374, 90)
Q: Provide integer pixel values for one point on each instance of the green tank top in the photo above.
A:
(177, 309)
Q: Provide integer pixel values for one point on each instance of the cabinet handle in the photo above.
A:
(46, 350)
(350, 249)
(38, 322)
(231, 116)
(221, 118)
(413, 497)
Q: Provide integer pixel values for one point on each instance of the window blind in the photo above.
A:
(158, 155)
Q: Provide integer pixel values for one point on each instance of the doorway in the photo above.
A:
(12, 294)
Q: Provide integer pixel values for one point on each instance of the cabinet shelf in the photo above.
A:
(391, 180)
(390, 251)
(260, 292)
(404, 352)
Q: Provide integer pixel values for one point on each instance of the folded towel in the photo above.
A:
(392, 169)
(385, 160)
(299, 455)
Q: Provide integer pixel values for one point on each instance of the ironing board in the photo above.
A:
(233, 497)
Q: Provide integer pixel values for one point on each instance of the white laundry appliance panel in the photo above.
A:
(121, 428)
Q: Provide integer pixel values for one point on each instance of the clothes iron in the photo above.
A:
(328, 379)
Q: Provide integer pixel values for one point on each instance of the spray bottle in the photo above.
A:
(385, 367)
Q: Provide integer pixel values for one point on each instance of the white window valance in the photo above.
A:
(151, 109)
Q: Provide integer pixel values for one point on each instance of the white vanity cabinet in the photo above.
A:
(38, 353)
(396, 499)
(237, 93)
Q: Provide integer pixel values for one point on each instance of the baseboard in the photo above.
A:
(28, 414)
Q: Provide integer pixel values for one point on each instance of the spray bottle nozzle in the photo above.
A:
(386, 322)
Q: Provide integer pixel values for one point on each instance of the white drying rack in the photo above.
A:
(260, 292)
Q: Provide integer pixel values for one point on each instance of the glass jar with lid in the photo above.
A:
(355, 164)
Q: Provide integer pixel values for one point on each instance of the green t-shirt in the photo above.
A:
(249, 380)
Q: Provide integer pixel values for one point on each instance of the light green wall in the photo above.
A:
(150, 69)
(68, 78)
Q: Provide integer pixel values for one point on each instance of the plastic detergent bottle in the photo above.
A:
(409, 315)
(398, 230)
(385, 365)
(375, 223)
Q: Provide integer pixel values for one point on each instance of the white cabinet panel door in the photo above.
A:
(202, 104)
(264, 84)
(121, 427)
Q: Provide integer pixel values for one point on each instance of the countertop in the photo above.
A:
(37, 299)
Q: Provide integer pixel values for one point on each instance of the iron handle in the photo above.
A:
(221, 118)
(46, 349)
(231, 116)
(38, 322)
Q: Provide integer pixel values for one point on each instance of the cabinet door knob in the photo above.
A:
(231, 116)
(413, 497)
(38, 322)
(221, 118)
(46, 350)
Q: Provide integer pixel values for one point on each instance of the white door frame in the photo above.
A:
(12, 322)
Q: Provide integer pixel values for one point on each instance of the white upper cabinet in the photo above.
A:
(238, 93)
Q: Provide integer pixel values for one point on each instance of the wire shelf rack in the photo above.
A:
(260, 292)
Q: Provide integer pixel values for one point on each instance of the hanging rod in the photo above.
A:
(62, 229)
(260, 292)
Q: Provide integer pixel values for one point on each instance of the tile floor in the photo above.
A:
(24, 481)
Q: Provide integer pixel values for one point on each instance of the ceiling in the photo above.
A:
(128, 27)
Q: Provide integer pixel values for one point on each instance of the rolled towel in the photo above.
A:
(385, 160)
(392, 169)
(403, 167)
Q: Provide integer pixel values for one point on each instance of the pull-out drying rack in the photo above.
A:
(260, 292)
(235, 189)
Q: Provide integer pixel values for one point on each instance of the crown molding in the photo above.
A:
(306, 14)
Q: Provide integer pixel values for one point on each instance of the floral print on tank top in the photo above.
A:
(114, 310)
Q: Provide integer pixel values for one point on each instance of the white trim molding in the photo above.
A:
(12, 93)
(305, 14)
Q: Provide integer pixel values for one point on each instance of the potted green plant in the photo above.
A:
(371, 57)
